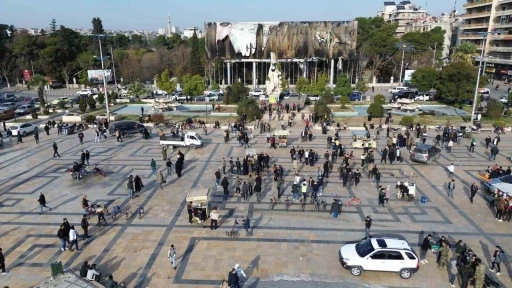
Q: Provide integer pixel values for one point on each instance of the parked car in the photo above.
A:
(404, 94)
(160, 92)
(6, 114)
(355, 96)
(257, 92)
(209, 97)
(24, 129)
(422, 97)
(314, 97)
(503, 183)
(504, 99)
(60, 99)
(397, 89)
(127, 126)
(55, 84)
(85, 92)
(25, 109)
(379, 254)
(9, 97)
(9, 106)
(425, 153)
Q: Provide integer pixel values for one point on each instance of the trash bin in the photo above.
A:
(324, 130)
(56, 268)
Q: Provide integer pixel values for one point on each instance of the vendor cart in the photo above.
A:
(406, 185)
(282, 137)
(200, 198)
(359, 140)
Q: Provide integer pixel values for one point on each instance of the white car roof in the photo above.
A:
(391, 243)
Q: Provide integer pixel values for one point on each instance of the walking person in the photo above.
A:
(73, 239)
(172, 256)
(425, 246)
(61, 234)
(474, 190)
(451, 187)
(367, 226)
(97, 136)
(224, 166)
(451, 170)
(487, 142)
(129, 187)
(479, 273)
(118, 136)
(444, 251)
(453, 272)
(67, 228)
(42, 202)
(81, 138)
(190, 211)
(247, 225)
(494, 152)
(2, 261)
(225, 184)
(87, 156)
(153, 166)
(472, 146)
(85, 227)
(160, 180)
(138, 185)
(164, 153)
(55, 150)
(36, 136)
(19, 137)
(168, 164)
(214, 216)
(496, 260)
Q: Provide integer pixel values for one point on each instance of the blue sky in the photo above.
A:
(152, 14)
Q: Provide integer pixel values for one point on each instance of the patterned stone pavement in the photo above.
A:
(283, 249)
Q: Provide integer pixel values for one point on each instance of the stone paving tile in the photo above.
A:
(135, 250)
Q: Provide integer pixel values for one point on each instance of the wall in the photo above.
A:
(235, 40)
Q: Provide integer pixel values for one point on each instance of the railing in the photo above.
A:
(501, 49)
(484, 24)
(477, 3)
(503, 13)
(476, 15)
(503, 25)
(471, 36)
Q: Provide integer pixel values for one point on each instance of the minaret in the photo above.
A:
(169, 25)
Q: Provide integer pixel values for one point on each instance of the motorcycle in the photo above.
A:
(85, 170)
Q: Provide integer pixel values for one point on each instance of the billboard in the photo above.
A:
(408, 75)
(96, 76)
(27, 76)
(289, 40)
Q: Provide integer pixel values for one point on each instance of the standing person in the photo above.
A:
(172, 256)
(2, 258)
(55, 150)
(73, 239)
(474, 190)
(81, 138)
(496, 260)
(36, 136)
(231, 166)
(245, 191)
(87, 156)
(164, 153)
(118, 136)
(367, 226)
(425, 246)
(47, 129)
(479, 273)
(472, 146)
(257, 188)
(451, 187)
(179, 167)
(160, 179)
(97, 136)
(153, 166)
(129, 187)
(42, 202)
(61, 234)
(85, 227)
(247, 225)
(190, 211)
(214, 216)
(168, 164)
(384, 154)
(494, 153)
(451, 170)
(466, 273)
(19, 137)
(137, 182)
(445, 252)
(357, 177)
(224, 166)
(217, 177)
(225, 184)
(450, 145)
(279, 184)
(233, 279)
(453, 272)
(82, 157)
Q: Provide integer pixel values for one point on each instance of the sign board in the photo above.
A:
(490, 70)
(27, 76)
(408, 75)
(96, 76)
(509, 72)
(504, 72)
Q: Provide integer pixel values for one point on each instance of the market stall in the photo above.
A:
(200, 198)
(282, 137)
(406, 185)
(359, 140)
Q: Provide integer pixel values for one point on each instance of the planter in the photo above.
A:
(73, 118)
(113, 117)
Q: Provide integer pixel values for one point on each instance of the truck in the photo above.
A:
(191, 140)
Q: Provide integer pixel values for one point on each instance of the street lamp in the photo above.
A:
(104, 76)
(402, 46)
(484, 34)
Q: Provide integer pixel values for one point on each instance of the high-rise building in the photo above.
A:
(175, 30)
(169, 25)
(490, 16)
(161, 31)
(402, 13)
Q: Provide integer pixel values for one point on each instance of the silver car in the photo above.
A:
(425, 153)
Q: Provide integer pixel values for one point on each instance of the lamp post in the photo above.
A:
(403, 47)
(104, 76)
(484, 40)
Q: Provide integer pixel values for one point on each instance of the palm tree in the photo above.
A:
(38, 82)
(464, 52)
(137, 89)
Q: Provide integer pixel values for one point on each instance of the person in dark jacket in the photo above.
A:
(233, 279)
(110, 282)
(85, 227)
(42, 202)
(367, 225)
(84, 269)
(82, 157)
(425, 246)
(225, 184)
(87, 156)
(384, 153)
(326, 169)
(178, 167)
(55, 150)
(67, 227)
(138, 184)
(61, 234)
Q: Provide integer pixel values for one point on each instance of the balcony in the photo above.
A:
(477, 4)
(475, 26)
(504, 1)
(502, 25)
(501, 49)
(468, 36)
(476, 15)
(501, 37)
(503, 13)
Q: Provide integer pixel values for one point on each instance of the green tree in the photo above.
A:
(249, 107)
(137, 89)
(101, 98)
(464, 52)
(425, 78)
(164, 82)
(376, 109)
(82, 104)
(235, 93)
(53, 26)
(137, 40)
(284, 85)
(302, 86)
(112, 97)
(319, 86)
(322, 110)
(494, 109)
(379, 98)
(344, 100)
(457, 82)
(91, 102)
(407, 120)
(343, 87)
(193, 85)
(509, 98)
(195, 63)
(162, 41)
(38, 82)
(97, 26)
(120, 41)
(362, 86)
(216, 86)
(327, 96)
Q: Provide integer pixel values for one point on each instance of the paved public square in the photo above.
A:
(282, 246)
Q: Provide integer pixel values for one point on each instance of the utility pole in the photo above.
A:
(104, 76)
(482, 53)
(434, 59)
(113, 65)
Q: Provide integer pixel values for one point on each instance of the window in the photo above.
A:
(364, 248)
(193, 137)
(395, 255)
(379, 255)
(410, 256)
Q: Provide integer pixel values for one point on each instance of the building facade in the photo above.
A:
(494, 17)
(189, 32)
(402, 13)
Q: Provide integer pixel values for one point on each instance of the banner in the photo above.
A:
(96, 76)
(26, 75)
(408, 75)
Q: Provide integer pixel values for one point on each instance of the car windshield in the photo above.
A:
(506, 179)
(364, 248)
(199, 137)
(420, 150)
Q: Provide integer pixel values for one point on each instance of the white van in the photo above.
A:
(396, 89)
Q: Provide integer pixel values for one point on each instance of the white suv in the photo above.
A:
(379, 254)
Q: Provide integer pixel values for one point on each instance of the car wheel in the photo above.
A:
(24, 133)
(192, 146)
(405, 273)
(356, 271)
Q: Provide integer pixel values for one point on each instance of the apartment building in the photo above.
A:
(402, 13)
(490, 16)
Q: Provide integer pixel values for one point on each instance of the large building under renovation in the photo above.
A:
(303, 49)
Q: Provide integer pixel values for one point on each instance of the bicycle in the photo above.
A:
(233, 234)
(287, 204)
(127, 211)
(274, 201)
(140, 211)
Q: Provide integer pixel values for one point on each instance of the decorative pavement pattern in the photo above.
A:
(283, 249)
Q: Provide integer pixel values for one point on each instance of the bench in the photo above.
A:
(489, 129)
